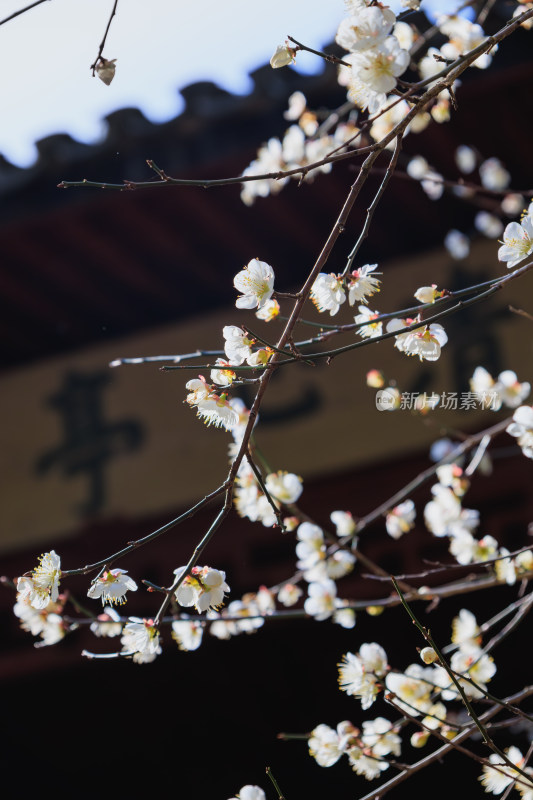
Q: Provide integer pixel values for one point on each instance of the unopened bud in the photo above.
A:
(419, 738)
(375, 379)
(428, 655)
(374, 611)
(282, 57)
(106, 70)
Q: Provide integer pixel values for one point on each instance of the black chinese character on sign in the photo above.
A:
(89, 441)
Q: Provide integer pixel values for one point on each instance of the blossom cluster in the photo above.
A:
(301, 146)
(418, 691)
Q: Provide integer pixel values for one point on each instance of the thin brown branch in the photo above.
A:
(102, 43)
(21, 11)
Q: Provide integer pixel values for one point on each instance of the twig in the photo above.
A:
(21, 11)
(326, 56)
(260, 481)
(487, 739)
(102, 43)
(373, 205)
(442, 751)
(275, 783)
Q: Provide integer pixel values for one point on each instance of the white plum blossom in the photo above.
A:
(284, 486)
(370, 329)
(426, 343)
(222, 375)
(256, 282)
(464, 36)
(488, 224)
(339, 564)
(472, 662)
(466, 159)
(405, 35)
(289, 594)
(505, 568)
(237, 346)
(297, 105)
(433, 184)
(467, 549)
(187, 633)
(497, 780)
(360, 675)
(361, 284)
(111, 586)
(388, 119)
(493, 175)
(320, 602)
(199, 391)
(327, 292)
(140, 639)
(517, 242)
(444, 515)
(522, 429)
(380, 735)
(401, 519)
(365, 29)
(344, 522)
(465, 629)
(203, 588)
(325, 745)
(345, 617)
(417, 168)
(412, 689)
(457, 244)
(269, 159)
(45, 622)
(43, 586)
(250, 792)
(107, 624)
(378, 67)
(311, 548)
(213, 408)
(510, 390)
(365, 765)
(268, 311)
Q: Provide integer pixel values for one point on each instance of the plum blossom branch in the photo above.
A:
(193, 560)
(442, 751)
(438, 735)
(150, 537)
(444, 79)
(487, 739)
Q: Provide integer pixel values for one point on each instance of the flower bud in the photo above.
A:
(106, 70)
(374, 611)
(428, 294)
(428, 655)
(282, 57)
(419, 738)
(375, 379)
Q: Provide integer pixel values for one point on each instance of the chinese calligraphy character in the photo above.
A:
(89, 441)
